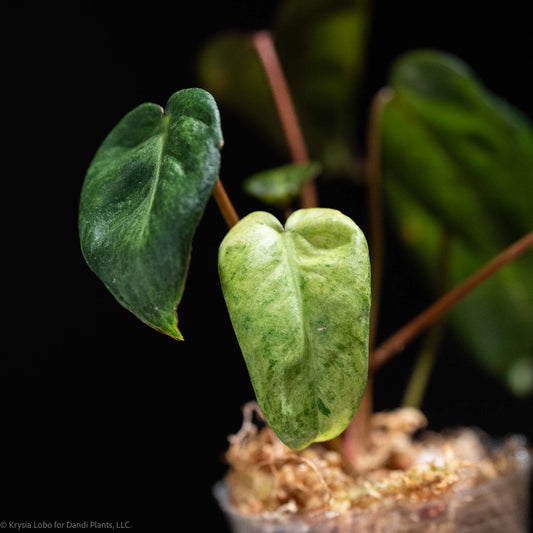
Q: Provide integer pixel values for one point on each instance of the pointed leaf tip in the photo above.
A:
(142, 199)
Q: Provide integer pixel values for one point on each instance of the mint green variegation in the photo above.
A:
(143, 196)
(299, 301)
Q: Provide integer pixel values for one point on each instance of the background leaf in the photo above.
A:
(142, 198)
(299, 301)
(279, 186)
(456, 156)
(321, 45)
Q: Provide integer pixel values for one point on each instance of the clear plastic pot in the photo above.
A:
(498, 505)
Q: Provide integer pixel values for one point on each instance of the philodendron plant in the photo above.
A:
(456, 160)
(298, 295)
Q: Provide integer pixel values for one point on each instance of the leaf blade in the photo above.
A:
(299, 300)
(280, 185)
(456, 156)
(143, 195)
(322, 47)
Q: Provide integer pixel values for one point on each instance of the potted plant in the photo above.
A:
(145, 193)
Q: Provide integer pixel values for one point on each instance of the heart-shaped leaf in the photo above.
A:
(142, 198)
(281, 185)
(299, 301)
(457, 157)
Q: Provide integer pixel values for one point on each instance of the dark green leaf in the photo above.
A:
(322, 46)
(143, 196)
(299, 301)
(494, 320)
(279, 186)
(456, 156)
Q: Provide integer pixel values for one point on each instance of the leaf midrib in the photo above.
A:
(288, 243)
(154, 185)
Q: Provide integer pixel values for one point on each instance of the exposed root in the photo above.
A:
(266, 476)
(248, 428)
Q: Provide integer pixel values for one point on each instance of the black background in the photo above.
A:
(101, 417)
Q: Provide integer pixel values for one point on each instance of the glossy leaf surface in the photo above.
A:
(457, 157)
(279, 186)
(299, 301)
(142, 198)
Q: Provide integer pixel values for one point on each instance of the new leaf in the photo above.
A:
(281, 185)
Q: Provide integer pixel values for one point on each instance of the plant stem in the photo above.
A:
(375, 204)
(414, 393)
(263, 43)
(355, 437)
(224, 204)
(398, 340)
(416, 387)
